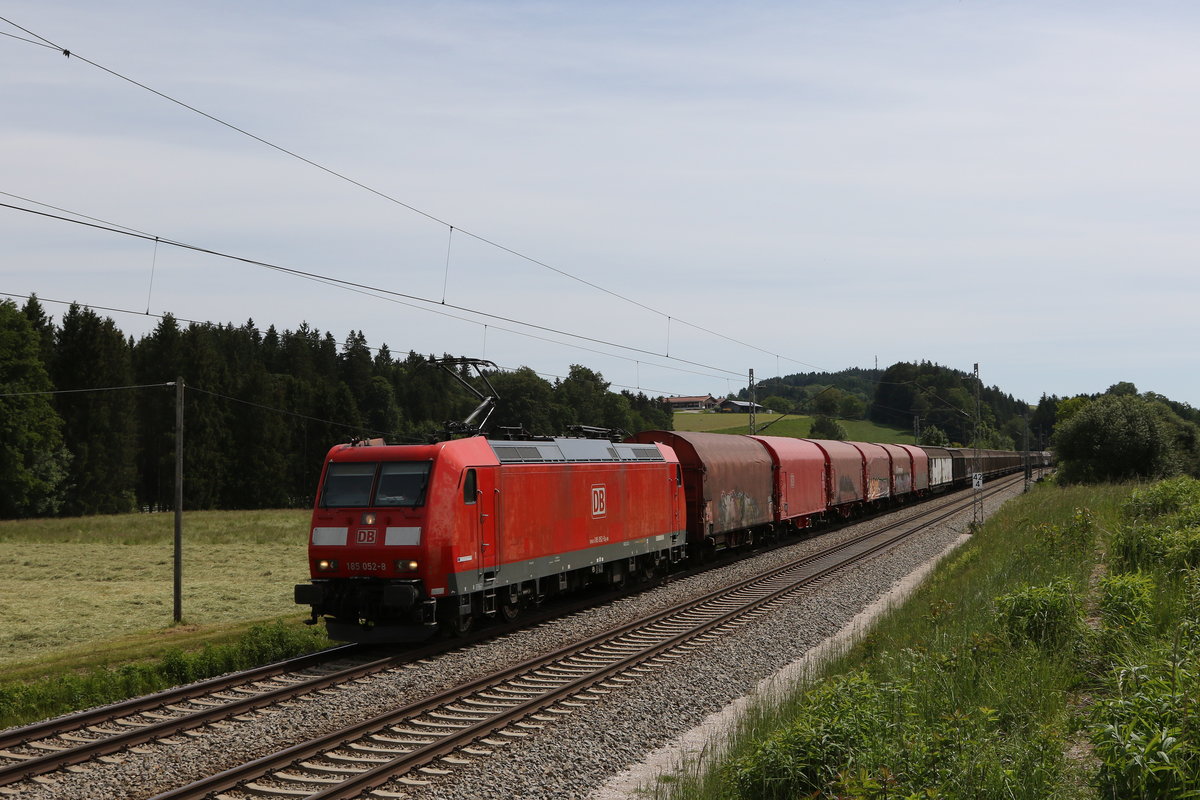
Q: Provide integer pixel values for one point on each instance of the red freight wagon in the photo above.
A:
(902, 469)
(404, 535)
(800, 478)
(941, 467)
(844, 474)
(920, 467)
(878, 468)
(728, 482)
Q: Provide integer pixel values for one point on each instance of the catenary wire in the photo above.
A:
(79, 391)
(381, 292)
(191, 388)
(390, 198)
(345, 425)
(115, 310)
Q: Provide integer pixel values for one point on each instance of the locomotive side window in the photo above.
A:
(348, 485)
(470, 487)
(402, 483)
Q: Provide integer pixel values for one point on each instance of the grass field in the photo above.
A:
(90, 591)
(796, 426)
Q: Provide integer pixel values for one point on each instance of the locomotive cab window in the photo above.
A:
(470, 487)
(402, 483)
(348, 485)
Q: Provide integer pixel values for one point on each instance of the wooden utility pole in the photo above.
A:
(179, 500)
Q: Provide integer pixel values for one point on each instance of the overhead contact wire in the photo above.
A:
(360, 286)
(378, 193)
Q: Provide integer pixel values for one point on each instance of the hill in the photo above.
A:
(789, 425)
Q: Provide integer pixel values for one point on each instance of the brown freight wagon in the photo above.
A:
(727, 483)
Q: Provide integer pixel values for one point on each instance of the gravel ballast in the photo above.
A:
(573, 757)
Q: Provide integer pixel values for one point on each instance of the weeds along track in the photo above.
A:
(409, 746)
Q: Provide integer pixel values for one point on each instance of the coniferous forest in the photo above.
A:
(87, 414)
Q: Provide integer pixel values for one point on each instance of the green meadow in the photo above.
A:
(857, 430)
(85, 592)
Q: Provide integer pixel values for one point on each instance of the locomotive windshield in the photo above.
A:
(402, 483)
(350, 484)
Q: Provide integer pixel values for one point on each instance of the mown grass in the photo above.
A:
(966, 691)
(73, 583)
(199, 527)
(60, 692)
(795, 426)
(87, 594)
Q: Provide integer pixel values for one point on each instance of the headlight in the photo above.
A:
(326, 565)
(406, 566)
(368, 518)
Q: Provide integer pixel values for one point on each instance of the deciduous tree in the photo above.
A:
(1113, 438)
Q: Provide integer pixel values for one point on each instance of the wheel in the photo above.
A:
(510, 610)
(453, 622)
(458, 624)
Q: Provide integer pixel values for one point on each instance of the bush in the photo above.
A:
(1126, 604)
(1182, 549)
(1138, 546)
(1079, 533)
(854, 736)
(1115, 438)
(1165, 497)
(841, 714)
(1048, 616)
(1164, 528)
(824, 427)
(1144, 732)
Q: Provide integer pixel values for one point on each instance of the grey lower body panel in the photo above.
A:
(517, 572)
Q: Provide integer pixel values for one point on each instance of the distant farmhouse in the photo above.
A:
(702, 403)
(739, 407)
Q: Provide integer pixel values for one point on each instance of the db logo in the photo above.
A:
(599, 503)
(365, 537)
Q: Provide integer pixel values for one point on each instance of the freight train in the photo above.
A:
(409, 538)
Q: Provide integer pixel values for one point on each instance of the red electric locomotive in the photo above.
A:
(405, 537)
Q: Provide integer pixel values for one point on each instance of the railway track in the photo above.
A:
(57, 743)
(54, 744)
(413, 744)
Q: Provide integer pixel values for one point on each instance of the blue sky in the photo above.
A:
(818, 185)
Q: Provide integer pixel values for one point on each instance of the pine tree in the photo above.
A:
(99, 425)
(33, 460)
(157, 359)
